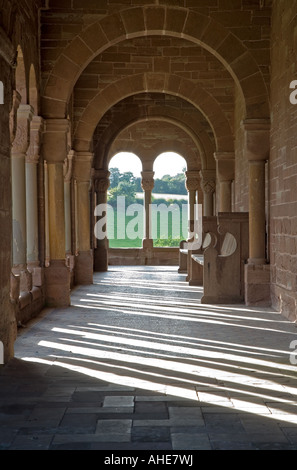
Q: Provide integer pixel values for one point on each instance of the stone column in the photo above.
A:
(68, 166)
(32, 161)
(57, 275)
(208, 185)
(84, 259)
(257, 273)
(147, 184)
(192, 185)
(225, 173)
(101, 184)
(18, 167)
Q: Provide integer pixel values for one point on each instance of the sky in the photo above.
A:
(166, 164)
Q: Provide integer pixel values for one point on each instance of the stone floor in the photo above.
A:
(137, 363)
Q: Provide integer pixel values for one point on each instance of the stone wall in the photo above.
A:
(283, 160)
(7, 318)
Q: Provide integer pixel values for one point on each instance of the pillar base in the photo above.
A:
(57, 284)
(83, 272)
(257, 285)
(101, 259)
(147, 244)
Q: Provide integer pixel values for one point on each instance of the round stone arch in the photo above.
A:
(160, 83)
(148, 156)
(202, 142)
(175, 116)
(156, 20)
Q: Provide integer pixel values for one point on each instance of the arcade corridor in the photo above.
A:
(137, 363)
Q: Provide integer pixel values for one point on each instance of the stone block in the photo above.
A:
(57, 284)
(257, 285)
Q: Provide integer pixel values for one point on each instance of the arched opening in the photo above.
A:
(169, 200)
(125, 202)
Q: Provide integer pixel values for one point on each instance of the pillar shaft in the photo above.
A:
(192, 186)
(257, 212)
(101, 184)
(208, 184)
(57, 275)
(32, 160)
(257, 146)
(147, 184)
(18, 169)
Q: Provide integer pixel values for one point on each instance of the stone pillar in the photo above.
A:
(57, 274)
(101, 184)
(147, 184)
(208, 185)
(68, 165)
(257, 275)
(225, 173)
(18, 167)
(32, 161)
(84, 259)
(192, 185)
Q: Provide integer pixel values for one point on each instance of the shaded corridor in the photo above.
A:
(138, 363)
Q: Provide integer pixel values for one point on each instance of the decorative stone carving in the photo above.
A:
(208, 182)
(22, 137)
(192, 180)
(16, 100)
(36, 130)
(101, 180)
(147, 182)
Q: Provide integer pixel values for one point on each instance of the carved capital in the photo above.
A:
(147, 181)
(36, 130)
(192, 180)
(16, 100)
(208, 181)
(100, 180)
(22, 137)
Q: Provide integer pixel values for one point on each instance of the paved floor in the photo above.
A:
(138, 363)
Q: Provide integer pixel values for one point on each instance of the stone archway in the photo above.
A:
(156, 20)
(154, 82)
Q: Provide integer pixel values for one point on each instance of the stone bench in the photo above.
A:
(195, 257)
(224, 260)
(183, 257)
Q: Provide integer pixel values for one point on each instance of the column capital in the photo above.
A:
(22, 136)
(100, 180)
(208, 181)
(36, 130)
(82, 166)
(225, 168)
(192, 180)
(16, 101)
(257, 138)
(147, 181)
(55, 140)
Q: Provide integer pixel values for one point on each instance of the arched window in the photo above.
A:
(169, 200)
(125, 202)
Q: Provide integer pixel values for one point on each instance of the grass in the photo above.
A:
(131, 230)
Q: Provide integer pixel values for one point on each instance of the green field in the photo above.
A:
(127, 231)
